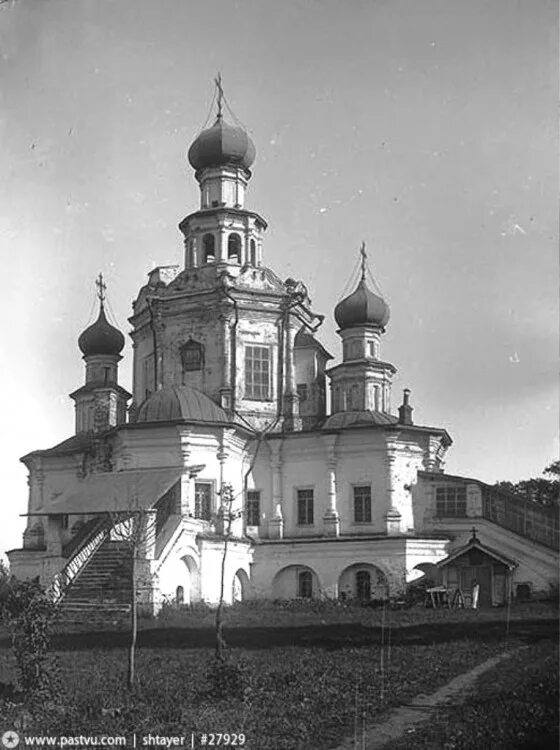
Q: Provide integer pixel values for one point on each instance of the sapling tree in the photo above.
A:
(135, 527)
(228, 516)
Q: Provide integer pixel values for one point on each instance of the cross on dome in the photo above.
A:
(218, 82)
(101, 288)
(364, 260)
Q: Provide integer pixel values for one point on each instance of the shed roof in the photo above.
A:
(111, 492)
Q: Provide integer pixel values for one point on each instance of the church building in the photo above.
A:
(225, 444)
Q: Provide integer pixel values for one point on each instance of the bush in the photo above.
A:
(28, 613)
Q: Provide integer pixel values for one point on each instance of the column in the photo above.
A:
(292, 420)
(276, 523)
(331, 518)
(392, 516)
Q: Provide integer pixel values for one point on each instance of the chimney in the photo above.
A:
(405, 410)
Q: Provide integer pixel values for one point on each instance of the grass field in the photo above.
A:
(306, 677)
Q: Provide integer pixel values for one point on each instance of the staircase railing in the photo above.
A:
(522, 516)
(80, 550)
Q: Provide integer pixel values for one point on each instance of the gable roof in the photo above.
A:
(474, 543)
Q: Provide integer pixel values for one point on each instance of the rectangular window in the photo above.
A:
(253, 508)
(451, 502)
(362, 504)
(305, 507)
(257, 373)
(203, 500)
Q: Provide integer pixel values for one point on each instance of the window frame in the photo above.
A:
(309, 510)
(257, 391)
(355, 504)
(211, 484)
(195, 347)
(250, 510)
(305, 589)
(359, 578)
(448, 504)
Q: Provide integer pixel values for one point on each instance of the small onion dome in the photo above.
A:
(361, 308)
(101, 338)
(220, 145)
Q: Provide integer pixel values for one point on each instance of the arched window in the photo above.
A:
(179, 596)
(253, 250)
(234, 248)
(192, 356)
(305, 584)
(363, 585)
(209, 245)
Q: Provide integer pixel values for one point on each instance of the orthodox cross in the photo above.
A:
(101, 287)
(364, 256)
(218, 82)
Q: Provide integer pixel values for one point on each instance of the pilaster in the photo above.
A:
(276, 524)
(292, 420)
(392, 515)
(331, 518)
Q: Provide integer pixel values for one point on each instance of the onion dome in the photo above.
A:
(362, 308)
(220, 145)
(101, 337)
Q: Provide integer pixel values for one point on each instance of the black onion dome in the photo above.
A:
(362, 307)
(101, 338)
(220, 145)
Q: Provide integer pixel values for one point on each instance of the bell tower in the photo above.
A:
(222, 231)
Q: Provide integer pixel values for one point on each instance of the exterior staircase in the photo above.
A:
(100, 592)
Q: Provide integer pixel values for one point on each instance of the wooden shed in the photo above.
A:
(477, 562)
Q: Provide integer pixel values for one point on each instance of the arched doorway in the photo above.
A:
(296, 581)
(240, 586)
(363, 582)
(191, 585)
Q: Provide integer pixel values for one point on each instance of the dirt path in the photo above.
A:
(419, 710)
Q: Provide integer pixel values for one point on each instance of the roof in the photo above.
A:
(304, 339)
(101, 337)
(474, 543)
(362, 308)
(113, 492)
(181, 403)
(75, 444)
(222, 144)
(367, 418)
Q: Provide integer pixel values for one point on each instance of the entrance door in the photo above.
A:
(482, 574)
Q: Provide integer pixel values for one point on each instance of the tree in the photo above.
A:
(544, 490)
(228, 516)
(136, 527)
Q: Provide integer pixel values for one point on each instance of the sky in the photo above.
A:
(425, 128)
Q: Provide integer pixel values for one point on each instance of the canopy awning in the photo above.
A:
(113, 492)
